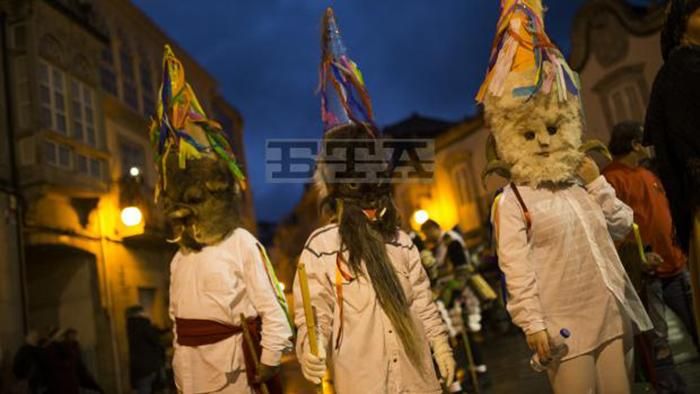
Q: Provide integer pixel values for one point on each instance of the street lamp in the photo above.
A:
(131, 216)
(134, 171)
(420, 216)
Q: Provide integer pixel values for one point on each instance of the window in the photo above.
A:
(81, 164)
(108, 77)
(132, 155)
(623, 94)
(147, 91)
(58, 155)
(83, 113)
(128, 79)
(50, 155)
(52, 98)
(625, 101)
(460, 177)
(95, 168)
(24, 103)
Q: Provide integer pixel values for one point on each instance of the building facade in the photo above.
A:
(616, 50)
(84, 76)
(456, 197)
(11, 289)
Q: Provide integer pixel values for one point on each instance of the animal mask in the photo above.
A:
(200, 181)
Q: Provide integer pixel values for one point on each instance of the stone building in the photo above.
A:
(11, 291)
(84, 76)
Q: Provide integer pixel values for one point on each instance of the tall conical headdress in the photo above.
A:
(181, 127)
(344, 97)
(522, 47)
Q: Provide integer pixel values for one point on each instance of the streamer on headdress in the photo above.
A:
(182, 127)
(522, 46)
(344, 96)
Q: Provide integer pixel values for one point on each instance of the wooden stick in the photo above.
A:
(470, 360)
(309, 316)
(308, 309)
(248, 339)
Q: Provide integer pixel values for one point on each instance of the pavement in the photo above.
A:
(508, 358)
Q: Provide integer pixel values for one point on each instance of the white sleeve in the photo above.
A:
(513, 258)
(276, 332)
(619, 217)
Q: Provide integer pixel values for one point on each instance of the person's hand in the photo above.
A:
(314, 367)
(444, 359)
(266, 372)
(588, 170)
(539, 342)
(653, 262)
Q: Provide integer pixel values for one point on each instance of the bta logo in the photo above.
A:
(350, 161)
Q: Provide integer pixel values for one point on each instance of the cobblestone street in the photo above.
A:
(509, 371)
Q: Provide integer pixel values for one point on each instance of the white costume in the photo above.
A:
(219, 283)
(564, 272)
(369, 357)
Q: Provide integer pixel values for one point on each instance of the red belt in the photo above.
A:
(197, 332)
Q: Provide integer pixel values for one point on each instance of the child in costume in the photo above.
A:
(556, 221)
(376, 319)
(221, 282)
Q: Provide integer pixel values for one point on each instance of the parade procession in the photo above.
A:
(159, 239)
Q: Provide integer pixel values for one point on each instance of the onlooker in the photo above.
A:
(67, 372)
(672, 124)
(146, 354)
(29, 365)
(665, 282)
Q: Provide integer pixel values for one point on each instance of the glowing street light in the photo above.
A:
(134, 171)
(420, 216)
(131, 216)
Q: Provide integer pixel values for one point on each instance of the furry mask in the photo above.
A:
(201, 202)
(538, 137)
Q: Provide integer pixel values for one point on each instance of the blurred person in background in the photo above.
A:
(672, 124)
(146, 353)
(665, 280)
(67, 373)
(29, 366)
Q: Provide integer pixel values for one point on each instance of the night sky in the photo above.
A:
(417, 56)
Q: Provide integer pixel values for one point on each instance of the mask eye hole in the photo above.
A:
(552, 130)
(530, 135)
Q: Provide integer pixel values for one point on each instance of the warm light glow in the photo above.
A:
(134, 171)
(420, 216)
(282, 287)
(131, 216)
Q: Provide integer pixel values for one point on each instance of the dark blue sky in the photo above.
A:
(425, 56)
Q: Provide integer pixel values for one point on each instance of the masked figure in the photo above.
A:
(221, 272)
(556, 221)
(376, 319)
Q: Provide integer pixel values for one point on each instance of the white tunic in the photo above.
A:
(565, 271)
(219, 283)
(370, 358)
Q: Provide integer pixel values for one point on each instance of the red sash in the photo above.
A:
(196, 332)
